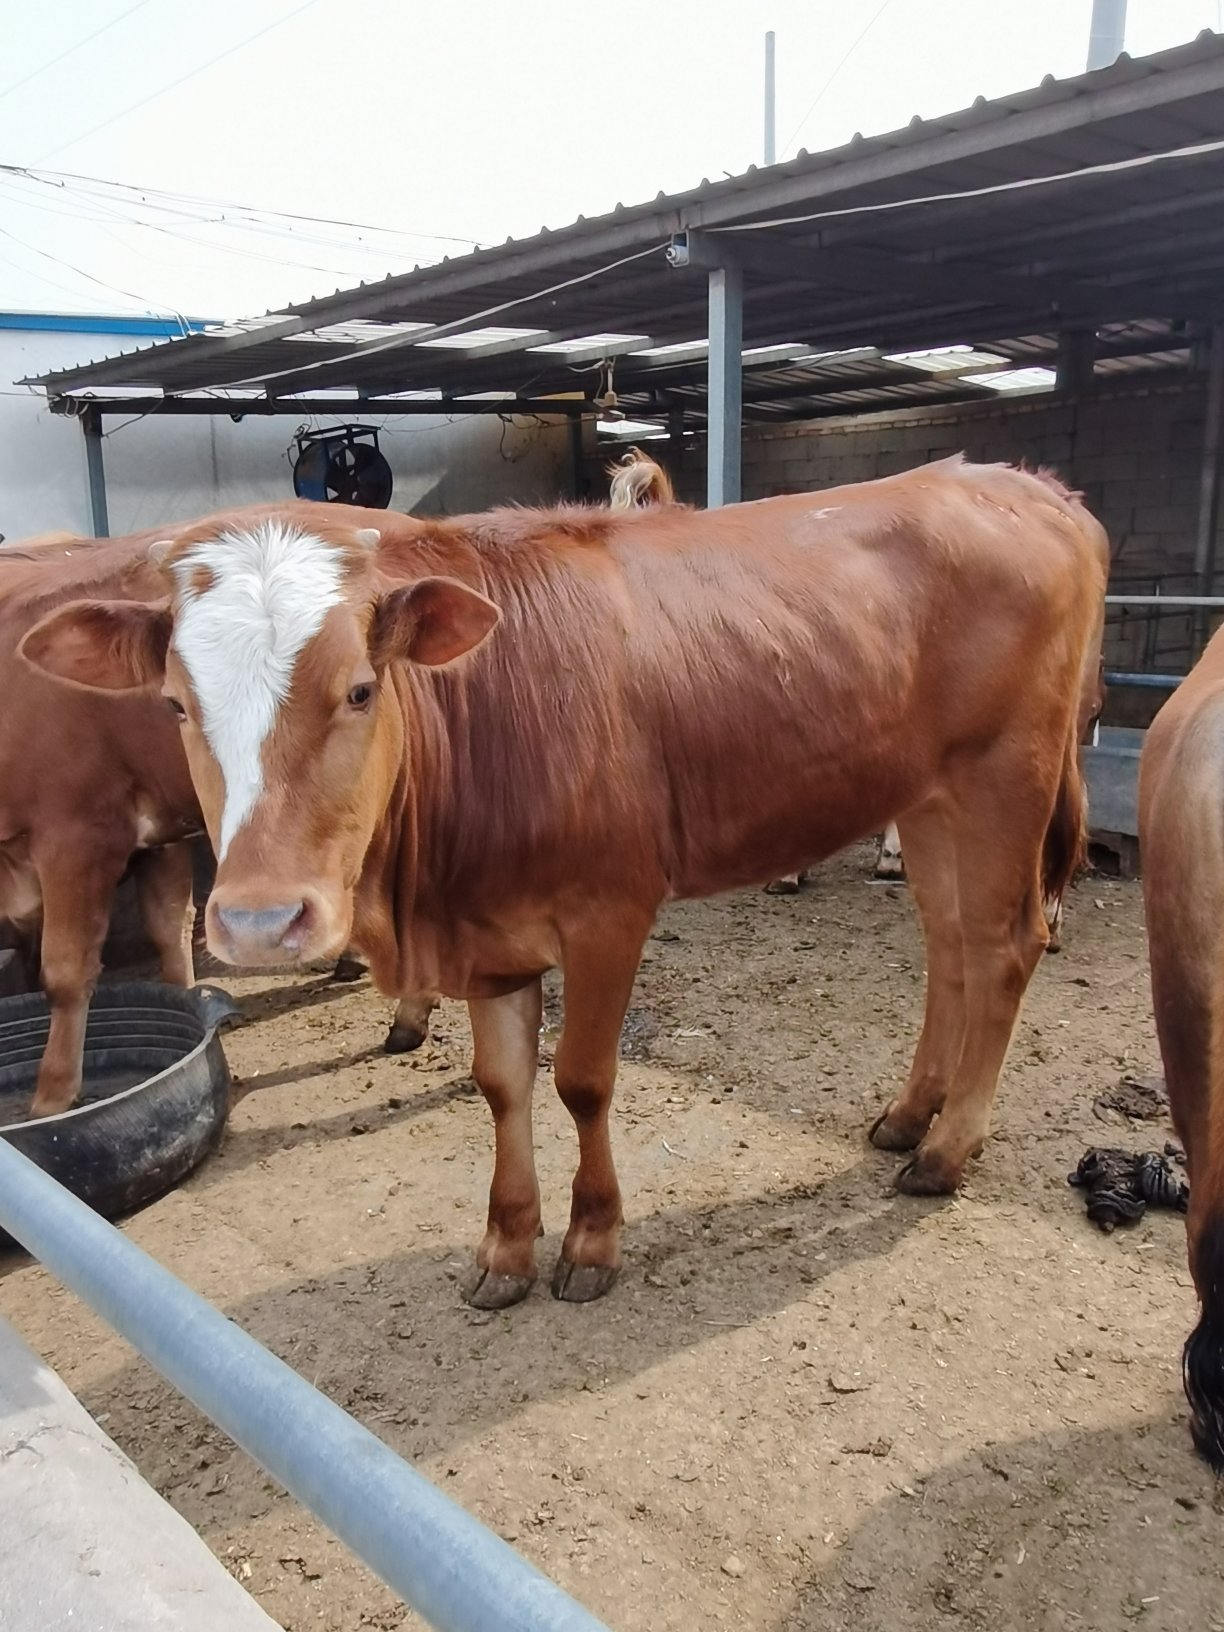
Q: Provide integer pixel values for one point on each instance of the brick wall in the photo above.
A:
(1134, 450)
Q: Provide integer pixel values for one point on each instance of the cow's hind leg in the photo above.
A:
(410, 1027)
(167, 909)
(506, 1034)
(599, 974)
(78, 887)
(349, 968)
(930, 850)
(999, 826)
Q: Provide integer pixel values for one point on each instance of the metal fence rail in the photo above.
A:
(444, 1563)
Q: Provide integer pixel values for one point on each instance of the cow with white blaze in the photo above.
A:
(484, 747)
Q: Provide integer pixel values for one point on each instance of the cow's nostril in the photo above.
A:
(264, 926)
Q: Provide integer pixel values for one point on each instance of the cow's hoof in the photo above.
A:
(403, 1039)
(928, 1175)
(783, 886)
(49, 1105)
(489, 1290)
(347, 970)
(582, 1283)
(892, 1131)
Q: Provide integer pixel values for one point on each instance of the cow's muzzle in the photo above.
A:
(266, 933)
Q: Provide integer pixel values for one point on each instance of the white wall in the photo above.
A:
(174, 469)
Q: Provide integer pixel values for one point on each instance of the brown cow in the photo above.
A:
(90, 786)
(1181, 838)
(675, 703)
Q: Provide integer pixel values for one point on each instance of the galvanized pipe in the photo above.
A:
(1164, 600)
(770, 123)
(95, 471)
(1107, 33)
(1154, 682)
(452, 1570)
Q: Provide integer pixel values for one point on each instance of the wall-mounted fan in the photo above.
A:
(342, 465)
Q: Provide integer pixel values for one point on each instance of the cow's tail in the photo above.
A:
(1066, 840)
(637, 480)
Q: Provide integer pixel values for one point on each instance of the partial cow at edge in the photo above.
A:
(503, 742)
(1181, 841)
(92, 786)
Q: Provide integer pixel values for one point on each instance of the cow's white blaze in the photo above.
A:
(263, 595)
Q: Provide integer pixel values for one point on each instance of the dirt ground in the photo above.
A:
(809, 1403)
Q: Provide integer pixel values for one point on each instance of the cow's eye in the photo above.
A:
(360, 696)
(177, 708)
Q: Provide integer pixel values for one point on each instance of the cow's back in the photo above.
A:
(649, 664)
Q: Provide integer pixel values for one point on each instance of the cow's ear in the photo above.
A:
(102, 645)
(432, 621)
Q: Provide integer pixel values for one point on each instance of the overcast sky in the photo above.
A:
(469, 119)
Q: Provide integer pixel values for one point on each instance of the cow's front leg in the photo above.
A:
(788, 884)
(599, 972)
(506, 1035)
(78, 889)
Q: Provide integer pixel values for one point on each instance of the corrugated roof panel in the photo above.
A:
(1000, 273)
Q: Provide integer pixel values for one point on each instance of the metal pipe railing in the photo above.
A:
(444, 1563)
(1155, 682)
(1164, 600)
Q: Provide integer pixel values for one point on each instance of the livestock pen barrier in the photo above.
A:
(444, 1563)
(1200, 604)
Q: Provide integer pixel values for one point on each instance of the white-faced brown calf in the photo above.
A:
(484, 747)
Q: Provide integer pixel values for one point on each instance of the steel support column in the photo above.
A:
(726, 388)
(91, 426)
(576, 450)
(1074, 364)
(1209, 475)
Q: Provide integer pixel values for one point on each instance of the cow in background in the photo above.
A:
(93, 789)
(90, 787)
(498, 744)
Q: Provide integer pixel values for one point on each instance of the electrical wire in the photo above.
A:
(278, 259)
(1113, 167)
(60, 179)
(99, 222)
(53, 283)
(845, 58)
(174, 84)
(112, 288)
(76, 46)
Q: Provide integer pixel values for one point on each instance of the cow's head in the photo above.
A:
(275, 648)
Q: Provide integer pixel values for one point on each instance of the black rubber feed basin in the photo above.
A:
(156, 1095)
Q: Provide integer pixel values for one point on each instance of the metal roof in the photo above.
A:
(1090, 203)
